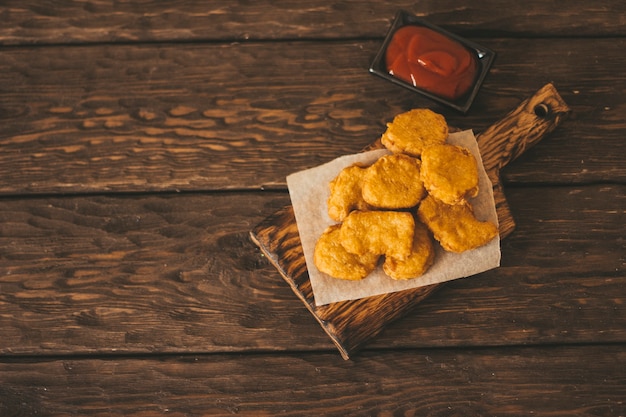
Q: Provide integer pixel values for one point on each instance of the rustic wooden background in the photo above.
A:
(141, 142)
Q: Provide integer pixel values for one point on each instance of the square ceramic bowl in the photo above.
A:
(483, 58)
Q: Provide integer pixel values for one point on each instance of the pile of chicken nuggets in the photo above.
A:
(391, 210)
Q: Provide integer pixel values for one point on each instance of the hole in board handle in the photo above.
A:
(542, 110)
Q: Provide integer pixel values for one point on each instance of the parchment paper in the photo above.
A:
(309, 191)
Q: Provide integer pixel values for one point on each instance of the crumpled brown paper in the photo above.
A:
(309, 191)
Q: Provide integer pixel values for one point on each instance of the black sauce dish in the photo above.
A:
(483, 57)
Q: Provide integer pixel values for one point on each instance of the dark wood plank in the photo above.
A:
(32, 22)
(178, 273)
(173, 117)
(553, 381)
(107, 273)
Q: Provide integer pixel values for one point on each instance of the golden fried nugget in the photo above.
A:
(421, 257)
(387, 233)
(449, 173)
(331, 258)
(455, 226)
(412, 131)
(345, 193)
(393, 182)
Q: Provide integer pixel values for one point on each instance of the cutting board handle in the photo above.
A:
(515, 133)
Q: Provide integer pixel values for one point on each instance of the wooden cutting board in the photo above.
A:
(350, 324)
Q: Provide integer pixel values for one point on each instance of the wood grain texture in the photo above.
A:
(107, 274)
(178, 274)
(32, 22)
(351, 324)
(123, 118)
(549, 381)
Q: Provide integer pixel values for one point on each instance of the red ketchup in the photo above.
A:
(431, 61)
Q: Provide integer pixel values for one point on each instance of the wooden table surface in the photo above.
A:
(140, 143)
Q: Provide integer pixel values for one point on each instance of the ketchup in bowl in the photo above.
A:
(431, 61)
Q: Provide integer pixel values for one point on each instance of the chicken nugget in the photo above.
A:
(412, 131)
(454, 226)
(387, 233)
(331, 258)
(393, 182)
(449, 173)
(345, 193)
(421, 257)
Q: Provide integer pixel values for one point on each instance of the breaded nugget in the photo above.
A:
(421, 257)
(412, 131)
(387, 233)
(345, 193)
(393, 182)
(449, 173)
(455, 226)
(331, 258)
